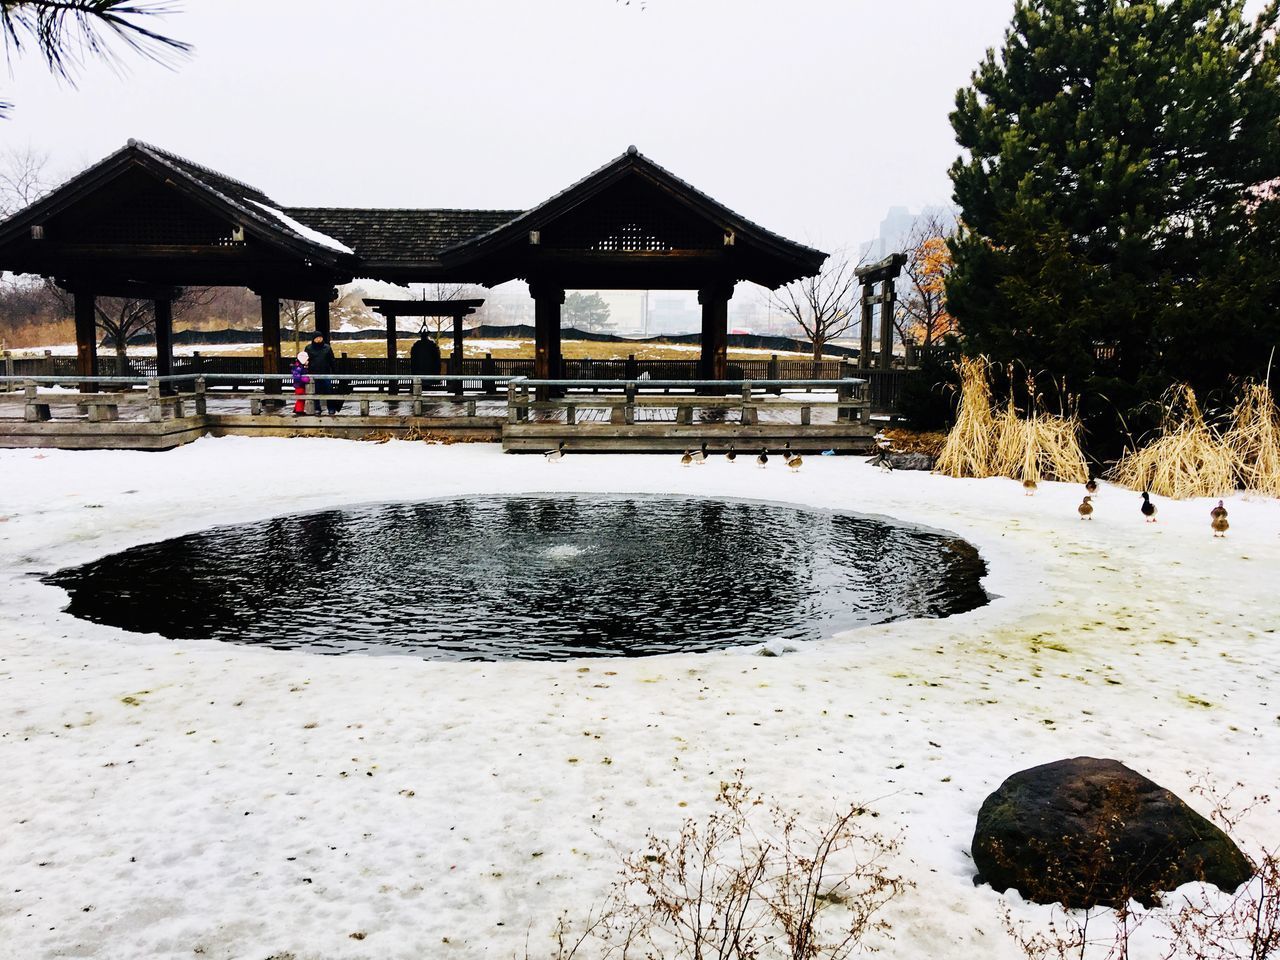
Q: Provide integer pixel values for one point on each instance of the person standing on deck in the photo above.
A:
(424, 357)
(323, 362)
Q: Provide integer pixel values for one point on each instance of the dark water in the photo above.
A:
(530, 577)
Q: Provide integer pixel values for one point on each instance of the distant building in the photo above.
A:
(674, 311)
(896, 229)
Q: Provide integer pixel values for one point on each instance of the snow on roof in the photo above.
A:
(307, 233)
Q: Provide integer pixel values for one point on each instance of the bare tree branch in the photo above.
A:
(824, 306)
(22, 178)
(120, 319)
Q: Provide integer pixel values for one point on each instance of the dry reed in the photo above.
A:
(1042, 446)
(1254, 438)
(968, 449)
(1038, 446)
(1188, 459)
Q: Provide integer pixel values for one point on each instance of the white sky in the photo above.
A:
(811, 117)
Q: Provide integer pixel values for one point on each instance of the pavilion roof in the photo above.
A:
(234, 199)
(633, 162)
(395, 236)
(405, 244)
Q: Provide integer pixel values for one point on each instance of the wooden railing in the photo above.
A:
(155, 399)
(527, 397)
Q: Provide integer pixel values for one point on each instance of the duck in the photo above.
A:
(1029, 487)
(1218, 520)
(1086, 508)
(1091, 487)
(700, 455)
(556, 455)
(686, 459)
(762, 460)
(1148, 508)
(794, 460)
(731, 456)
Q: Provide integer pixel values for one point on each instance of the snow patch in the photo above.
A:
(315, 236)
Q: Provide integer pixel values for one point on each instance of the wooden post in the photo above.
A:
(34, 412)
(844, 392)
(775, 373)
(155, 411)
(546, 333)
(747, 414)
(886, 324)
(715, 330)
(868, 320)
(164, 342)
(270, 343)
(489, 369)
(322, 318)
(86, 338)
(415, 388)
(311, 405)
(455, 365)
(202, 405)
(392, 386)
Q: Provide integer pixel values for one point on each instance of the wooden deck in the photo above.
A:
(601, 416)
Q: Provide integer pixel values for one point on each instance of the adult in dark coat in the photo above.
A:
(323, 362)
(424, 358)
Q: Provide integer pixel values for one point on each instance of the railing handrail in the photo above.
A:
(440, 377)
(207, 375)
(666, 384)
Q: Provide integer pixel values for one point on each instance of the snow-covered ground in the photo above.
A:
(178, 799)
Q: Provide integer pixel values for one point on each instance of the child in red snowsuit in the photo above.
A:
(300, 381)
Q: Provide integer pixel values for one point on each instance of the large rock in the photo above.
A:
(1084, 832)
(907, 461)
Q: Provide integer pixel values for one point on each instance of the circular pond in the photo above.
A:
(532, 577)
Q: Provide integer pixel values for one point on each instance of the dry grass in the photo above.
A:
(1041, 446)
(1038, 446)
(415, 434)
(1254, 438)
(1188, 459)
(970, 446)
(927, 442)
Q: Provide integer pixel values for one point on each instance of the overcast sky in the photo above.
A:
(809, 116)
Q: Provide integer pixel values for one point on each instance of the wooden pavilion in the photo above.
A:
(145, 222)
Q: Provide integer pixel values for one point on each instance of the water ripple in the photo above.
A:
(532, 577)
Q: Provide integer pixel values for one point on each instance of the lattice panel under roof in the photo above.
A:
(633, 218)
(140, 211)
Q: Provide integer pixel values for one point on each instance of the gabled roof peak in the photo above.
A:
(204, 173)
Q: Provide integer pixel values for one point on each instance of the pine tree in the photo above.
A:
(1111, 198)
(65, 32)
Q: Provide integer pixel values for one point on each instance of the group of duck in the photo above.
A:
(1217, 516)
(700, 456)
